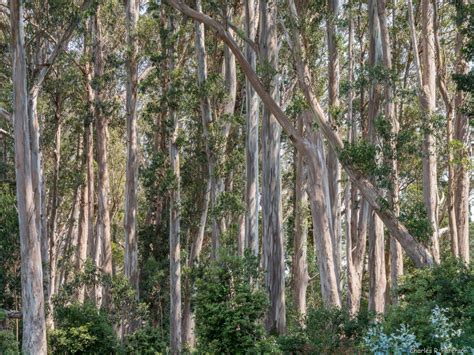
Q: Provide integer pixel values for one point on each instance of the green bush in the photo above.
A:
(82, 329)
(8, 343)
(147, 340)
(229, 310)
(448, 287)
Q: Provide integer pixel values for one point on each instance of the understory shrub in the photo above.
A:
(82, 329)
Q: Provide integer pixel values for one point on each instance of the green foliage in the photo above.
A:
(8, 343)
(327, 330)
(147, 340)
(449, 286)
(414, 216)
(229, 309)
(82, 329)
(361, 155)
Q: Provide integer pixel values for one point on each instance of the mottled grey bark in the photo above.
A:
(103, 256)
(273, 253)
(333, 167)
(175, 217)
(377, 280)
(131, 184)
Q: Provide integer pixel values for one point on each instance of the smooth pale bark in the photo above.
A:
(357, 210)
(377, 280)
(430, 184)
(131, 184)
(300, 276)
(396, 256)
(54, 206)
(34, 325)
(420, 255)
(334, 170)
(449, 107)
(251, 147)
(318, 193)
(426, 77)
(175, 216)
(462, 171)
(103, 254)
(273, 254)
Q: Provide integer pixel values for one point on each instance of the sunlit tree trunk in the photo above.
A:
(251, 102)
(103, 246)
(131, 184)
(33, 318)
(273, 253)
(396, 257)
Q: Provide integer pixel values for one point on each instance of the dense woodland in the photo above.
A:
(257, 176)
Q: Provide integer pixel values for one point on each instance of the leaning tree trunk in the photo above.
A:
(273, 253)
(131, 184)
(417, 252)
(104, 244)
(34, 325)
(251, 102)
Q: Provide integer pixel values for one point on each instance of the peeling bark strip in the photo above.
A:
(420, 256)
(34, 326)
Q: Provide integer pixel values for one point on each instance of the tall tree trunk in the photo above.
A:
(175, 216)
(356, 217)
(34, 325)
(334, 170)
(131, 184)
(430, 185)
(188, 326)
(396, 257)
(251, 102)
(300, 277)
(54, 205)
(377, 281)
(462, 172)
(104, 244)
(273, 253)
